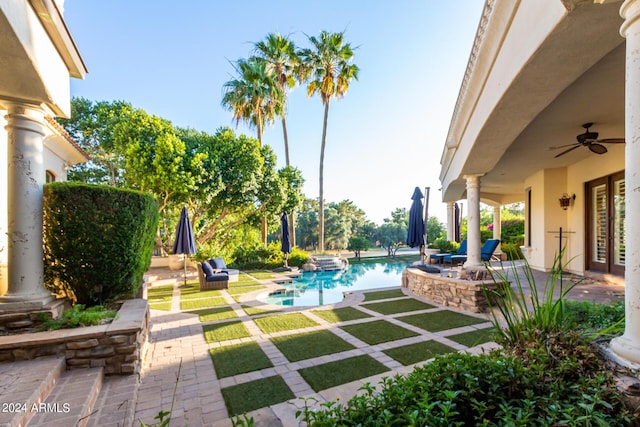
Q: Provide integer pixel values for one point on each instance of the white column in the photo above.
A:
(473, 263)
(497, 228)
(628, 345)
(451, 221)
(25, 178)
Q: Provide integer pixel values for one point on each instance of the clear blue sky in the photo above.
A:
(171, 58)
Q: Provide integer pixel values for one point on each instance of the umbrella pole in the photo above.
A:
(185, 269)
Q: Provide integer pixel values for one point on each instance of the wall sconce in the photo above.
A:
(566, 200)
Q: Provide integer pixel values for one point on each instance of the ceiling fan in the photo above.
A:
(589, 140)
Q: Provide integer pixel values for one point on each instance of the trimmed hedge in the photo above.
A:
(98, 240)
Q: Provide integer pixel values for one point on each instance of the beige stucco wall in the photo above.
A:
(3, 204)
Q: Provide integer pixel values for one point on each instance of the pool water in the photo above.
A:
(328, 287)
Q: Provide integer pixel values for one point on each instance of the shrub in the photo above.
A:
(513, 251)
(259, 257)
(445, 245)
(98, 240)
(78, 316)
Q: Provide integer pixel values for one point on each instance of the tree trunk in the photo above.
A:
(264, 230)
(292, 227)
(321, 201)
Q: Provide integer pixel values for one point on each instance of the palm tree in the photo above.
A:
(254, 96)
(328, 69)
(279, 52)
(281, 58)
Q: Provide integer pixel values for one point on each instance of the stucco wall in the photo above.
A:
(3, 204)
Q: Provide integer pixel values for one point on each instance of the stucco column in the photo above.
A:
(473, 262)
(497, 227)
(451, 222)
(628, 345)
(25, 178)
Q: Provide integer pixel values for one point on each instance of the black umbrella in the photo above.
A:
(415, 234)
(286, 241)
(184, 242)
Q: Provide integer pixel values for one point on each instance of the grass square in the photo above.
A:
(398, 306)
(235, 292)
(441, 320)
(253, 311)
(310, 344)
(166, 306)
(257, 394)
(392, 293)
(414, 353)
(230, 360)
(378, 331)
(243, 280)
(160, 290)
(474, 338)
(284, 322)
(202, 303)
(213, 314)
(225, 331)
(340, 314)
(153, 298)
(343, 371)
(262, 274)
(194, 292)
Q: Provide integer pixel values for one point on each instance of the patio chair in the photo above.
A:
(209, 279)
(219, 266)
(486, 252)
(462, 250)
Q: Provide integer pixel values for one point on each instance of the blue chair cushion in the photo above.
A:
(217, 277)
(218, 263)
(207, 269)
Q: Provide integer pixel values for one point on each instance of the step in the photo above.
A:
(23, 384)
(116, 404)
(71, 400)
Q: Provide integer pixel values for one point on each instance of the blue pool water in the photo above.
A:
(328, 287)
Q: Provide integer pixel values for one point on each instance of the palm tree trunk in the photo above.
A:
(292, 226)
(321, 201)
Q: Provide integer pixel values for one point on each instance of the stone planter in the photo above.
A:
(176, 262)
(428, 252)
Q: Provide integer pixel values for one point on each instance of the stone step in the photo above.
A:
(116, 402)
(71, 401)
(25, 384)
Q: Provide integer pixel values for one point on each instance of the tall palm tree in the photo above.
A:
(328, 70)
(254, 96)
(279, 52)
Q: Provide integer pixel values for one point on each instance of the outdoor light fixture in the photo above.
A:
(565, 200)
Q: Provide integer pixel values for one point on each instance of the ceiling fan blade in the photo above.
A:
(611, 141)
(563, 146)
(597, 148)
(566, 151)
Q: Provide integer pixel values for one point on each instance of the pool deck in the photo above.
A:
(176, 338)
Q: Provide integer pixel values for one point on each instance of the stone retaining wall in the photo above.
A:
(118, 346)
(451, 292)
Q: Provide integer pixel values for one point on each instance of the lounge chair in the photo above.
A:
(486, 252)
(209, 279)
(441, 258)
(219, 265)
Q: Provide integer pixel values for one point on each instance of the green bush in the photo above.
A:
(444, 245)
(513, 251)
(98, 240)
(259, 257)
(512, 231)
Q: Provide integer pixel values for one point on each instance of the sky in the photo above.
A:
(384, 138)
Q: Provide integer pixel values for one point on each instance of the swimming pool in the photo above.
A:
(328, 287)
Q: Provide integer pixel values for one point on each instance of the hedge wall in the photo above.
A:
(98, 240)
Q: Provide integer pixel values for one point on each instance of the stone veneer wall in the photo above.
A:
(118, 346)
(450, 292)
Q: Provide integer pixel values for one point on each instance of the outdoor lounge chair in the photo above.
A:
(486, 252)
(462, 250)
(218, 264)
(209, 279)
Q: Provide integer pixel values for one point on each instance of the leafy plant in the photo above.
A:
(79, 316)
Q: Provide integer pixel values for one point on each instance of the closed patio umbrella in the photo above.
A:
(415, 233)
(184, 242)
(286, 240)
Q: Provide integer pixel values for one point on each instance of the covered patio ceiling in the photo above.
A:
(575, 76)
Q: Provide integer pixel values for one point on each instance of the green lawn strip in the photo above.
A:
(213, 314)
(392, 293)
(253, 311)
(159, 298)
(257, 394)
(418, 352)
(262, 274)
(340, 314)
(160, 290)
(398, 306)
(310, 344)
(245, 289)
(202, 303)
(284, 322)
(343, 371)
(230, 360)
(166, 306)
(378, 331)
(243, 280)
(440, 320)
(474, 338)
(225, 331)
(199, 294)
